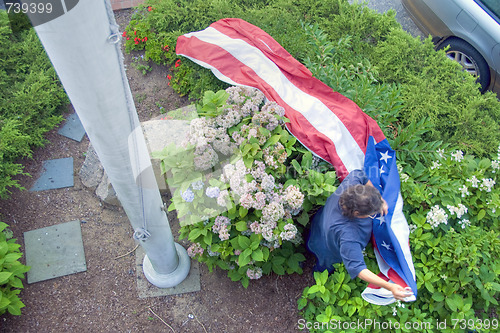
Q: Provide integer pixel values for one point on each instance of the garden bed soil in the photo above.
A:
(105, 297)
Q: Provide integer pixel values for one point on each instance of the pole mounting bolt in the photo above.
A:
(141, 234)
(114, 38)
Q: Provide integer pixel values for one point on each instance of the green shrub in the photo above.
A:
(30, 100)
(11, 273)
(434, 87)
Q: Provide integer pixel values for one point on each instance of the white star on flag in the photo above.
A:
(381, 219)
(387, 246)
(382, 169)
(385, 156)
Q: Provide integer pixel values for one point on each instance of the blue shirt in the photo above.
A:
(335, 238)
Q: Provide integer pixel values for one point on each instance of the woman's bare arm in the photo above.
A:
(398, 292)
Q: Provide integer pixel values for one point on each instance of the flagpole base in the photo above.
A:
(172, 279)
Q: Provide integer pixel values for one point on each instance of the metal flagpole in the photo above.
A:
(83, 45)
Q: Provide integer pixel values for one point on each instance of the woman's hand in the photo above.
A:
(399, 292)
(385, 207)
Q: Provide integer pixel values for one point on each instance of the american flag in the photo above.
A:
(330, 125)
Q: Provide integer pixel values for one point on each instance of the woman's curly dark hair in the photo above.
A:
(360, 200)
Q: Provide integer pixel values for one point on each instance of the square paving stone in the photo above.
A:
(54, 251)
(56, 173)
(73, 128)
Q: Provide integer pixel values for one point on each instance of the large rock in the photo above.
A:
(92, 171)
(106, 193)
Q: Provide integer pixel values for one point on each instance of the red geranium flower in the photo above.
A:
(169, 77)
(178, 63)
(150, 8)
(135, 32)
(124, 34)
(145, 39)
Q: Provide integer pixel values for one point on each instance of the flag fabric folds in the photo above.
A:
(332, 126)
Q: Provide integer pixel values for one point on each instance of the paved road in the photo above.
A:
(401, 15)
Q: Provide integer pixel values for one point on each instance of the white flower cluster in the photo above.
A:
(474, 181)
(209, 136)
(464, 191)
(458, 156)
(194, 249)
(255, 189)
(436, 216)
(187, 195)
(435, 165)
(487, 184)
(254, 273)
(459, 211)
(495, 165)
(275, 155)
(403, 176)
(222, 226)
(464, 223)
(248, 99)
(290, 233)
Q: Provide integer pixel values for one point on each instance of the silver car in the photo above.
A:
(471, 29)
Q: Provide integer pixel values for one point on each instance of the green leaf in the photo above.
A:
(246, 149)
(244, 242)
(16, 283)
(297, 167)
(11, 257)
(313, 289)
(272, 140)
(265, 253)
(243, 212)
(241, 226)
(257, 255)
(451, 304)
(4, 277)
(194, 234)
(4, 302)
(244, 258)
(481, 214)
(438, 296)
(302, 303)
(4, 248)
(208, 238)
(280, 270)
(303, 218)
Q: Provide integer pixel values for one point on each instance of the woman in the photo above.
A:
(343, 227)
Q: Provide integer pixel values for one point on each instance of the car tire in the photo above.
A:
(471, 60)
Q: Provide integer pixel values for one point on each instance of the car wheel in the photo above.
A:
(471, 60)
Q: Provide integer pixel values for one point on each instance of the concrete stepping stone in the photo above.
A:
(56, 173)
(54, 251)
(73, 128)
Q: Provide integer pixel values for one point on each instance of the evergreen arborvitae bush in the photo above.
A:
(434, 87)
(30, 99)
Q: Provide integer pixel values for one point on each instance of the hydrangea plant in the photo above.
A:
(239, 205)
